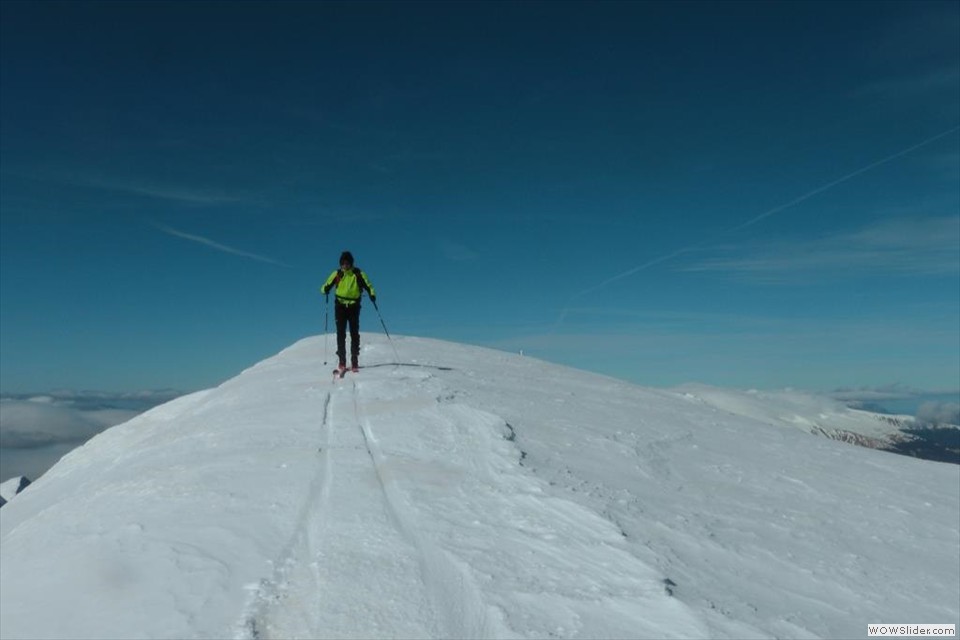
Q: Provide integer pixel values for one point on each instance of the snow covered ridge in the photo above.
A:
(830, 418)
(471, 493)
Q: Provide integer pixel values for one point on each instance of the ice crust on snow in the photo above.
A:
(472, 493)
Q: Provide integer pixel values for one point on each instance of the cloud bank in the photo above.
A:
(928, 407)
(939, 413)
(36, 431)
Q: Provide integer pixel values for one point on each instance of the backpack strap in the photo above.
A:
(361, 281)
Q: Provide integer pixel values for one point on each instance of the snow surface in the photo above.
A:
(471, 493)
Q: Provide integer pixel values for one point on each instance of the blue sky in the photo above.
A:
(741, 194)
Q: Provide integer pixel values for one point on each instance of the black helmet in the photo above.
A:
(346, 258)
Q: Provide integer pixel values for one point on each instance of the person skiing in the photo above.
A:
(350, 283)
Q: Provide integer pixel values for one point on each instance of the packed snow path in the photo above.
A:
(399, 558)
(356, 558)
(472, 493)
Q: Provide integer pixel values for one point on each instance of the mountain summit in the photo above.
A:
(471, 493)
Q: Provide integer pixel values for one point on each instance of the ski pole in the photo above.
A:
(382, 324)
(326, 327)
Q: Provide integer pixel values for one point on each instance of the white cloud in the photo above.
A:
(919, 246)
(184, 194)
(929, 407)
(176, 193)
(35, 431)
(457, 252)
(874, 394)
(940, 79)
(28, 424)
(939, 413)
(216, 245)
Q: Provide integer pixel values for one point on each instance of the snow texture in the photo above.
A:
(470, 493)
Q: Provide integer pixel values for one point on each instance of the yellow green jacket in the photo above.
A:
(350, 284)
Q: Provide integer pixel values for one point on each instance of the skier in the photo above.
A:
(350, 283)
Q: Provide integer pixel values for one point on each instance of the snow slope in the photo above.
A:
(471, 493)
(815, 414)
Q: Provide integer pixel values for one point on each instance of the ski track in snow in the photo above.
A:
(271, 595)
(450, 589)
(406, 550)
(341, 541)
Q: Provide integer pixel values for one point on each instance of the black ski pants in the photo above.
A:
(348, 314)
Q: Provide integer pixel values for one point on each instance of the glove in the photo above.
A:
(373, 299)
(325, 290)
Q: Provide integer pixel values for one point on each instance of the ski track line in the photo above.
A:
(271, 594)
(353, 568)
(451, 589)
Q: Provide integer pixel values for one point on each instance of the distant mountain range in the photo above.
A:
(823, 416)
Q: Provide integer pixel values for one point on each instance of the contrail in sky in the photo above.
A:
(217, 245)
(762, 216)
(856, 173)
